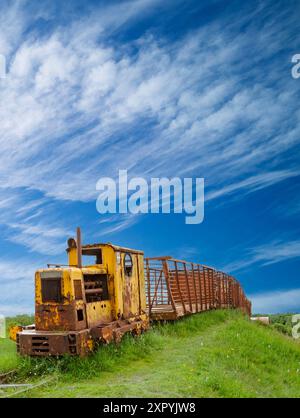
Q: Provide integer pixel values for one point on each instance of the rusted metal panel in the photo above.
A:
(115, 330)
(177, 288)
(38, 343)
(42, 343)
(59, 317)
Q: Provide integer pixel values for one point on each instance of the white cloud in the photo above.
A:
(77, 105)
(15, 270)
(254, 183)
(63, 93)
(117, 224)
(264, 255)
(280, 301)
(44, 239)
(17, 286)
(32, 221)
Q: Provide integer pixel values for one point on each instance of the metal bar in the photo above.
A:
(195, 288)
(211, 295)
(178, 286)
(79, 248)
(93, 291)
(220, 290)
(228, 293)
(188, 286)
(60, 265)
(156, 288)
(161, 292)
(167, 277)
(200, 287)
(205, 290)
(224, 290)
(139, 284)
(165, 257)
(148, 282)
(208, 288)
(213, 289)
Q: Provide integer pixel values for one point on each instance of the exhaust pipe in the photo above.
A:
(79, 248)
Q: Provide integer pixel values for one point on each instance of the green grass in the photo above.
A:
(8, 357)
(214, 354)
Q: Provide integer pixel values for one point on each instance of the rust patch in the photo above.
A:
(58, 317)
(42, 343)
(37, 343)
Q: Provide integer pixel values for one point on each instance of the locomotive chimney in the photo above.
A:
(79, 248)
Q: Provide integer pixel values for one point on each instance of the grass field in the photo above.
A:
(8, 357)
(214, 354)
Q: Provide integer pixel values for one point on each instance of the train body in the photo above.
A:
(106, 291)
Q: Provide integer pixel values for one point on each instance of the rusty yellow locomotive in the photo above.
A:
(106, 291)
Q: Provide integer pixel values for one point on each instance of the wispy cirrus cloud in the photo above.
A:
(42, 238)
(117, 223)
(267, 254)
(77, 103)
(74, 95)
(87, 94)
(253, 183)
(32, 221)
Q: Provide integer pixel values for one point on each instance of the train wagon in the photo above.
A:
(176, 288)
(106, 291)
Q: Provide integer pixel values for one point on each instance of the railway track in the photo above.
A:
(10, 389)
(5, 377)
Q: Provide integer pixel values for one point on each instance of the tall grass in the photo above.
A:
(131, 349)
(218, 353)
(8, 357)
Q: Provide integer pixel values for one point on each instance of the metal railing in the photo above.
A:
(185, 288)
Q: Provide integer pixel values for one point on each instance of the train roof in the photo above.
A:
(109, 244)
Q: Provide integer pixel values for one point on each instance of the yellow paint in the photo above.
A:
(98, 313)
(13, 331)
(67, 284)
(90, 344)
(72, 255)
(127, 299)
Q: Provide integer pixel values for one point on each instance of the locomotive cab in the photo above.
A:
(97, 297)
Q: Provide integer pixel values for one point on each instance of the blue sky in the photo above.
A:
(162, 89)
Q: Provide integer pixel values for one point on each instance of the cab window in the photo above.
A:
(128, 264)
(91, 257)
(51, 289)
